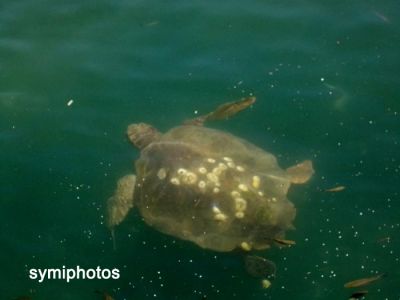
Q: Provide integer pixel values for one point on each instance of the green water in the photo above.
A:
(326, 77)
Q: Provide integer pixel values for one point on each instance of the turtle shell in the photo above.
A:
(212, 188)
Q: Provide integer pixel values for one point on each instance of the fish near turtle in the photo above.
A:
(207, 186)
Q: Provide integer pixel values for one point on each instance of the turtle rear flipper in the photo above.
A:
(223, 111)
(260, 267)
(120, 203)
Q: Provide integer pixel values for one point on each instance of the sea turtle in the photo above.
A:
(208, 186)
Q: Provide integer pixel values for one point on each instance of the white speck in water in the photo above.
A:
(70, 102)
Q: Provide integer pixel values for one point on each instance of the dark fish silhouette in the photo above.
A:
(358, 295)
(106, 296)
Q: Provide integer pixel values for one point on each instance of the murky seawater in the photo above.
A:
(326, 78)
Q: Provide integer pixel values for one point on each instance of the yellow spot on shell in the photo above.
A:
(212, 177)
(231, 164)
(245, 246)
(226, 158)
(211, 160)
(216, 210)
(243, 187)
(240, 168)
(175, 181)
(217, 171)
(239, 215)
(201, 184)
(202, 170)
(240, 204)
(189, 178)
(216, 190)
(235, 194)
(265, 283)
(256, 182)
(222, 166)
(220, 217)
(182, 171)
(161, 174)
(260, 193)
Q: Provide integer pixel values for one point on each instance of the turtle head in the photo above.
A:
(142, 134)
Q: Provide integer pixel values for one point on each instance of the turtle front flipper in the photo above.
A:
(301, 172)
(119, 204)
(223, 111)
(260, 267)
(142, 134)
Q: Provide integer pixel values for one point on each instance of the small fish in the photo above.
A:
(336, 189)
(385, 239)
(227, 110)
(381, 16)
(152, 23)
(341, 96)
(358, 294)
(284, 242)
(106, 296)
(363, 281)
(223, 111)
